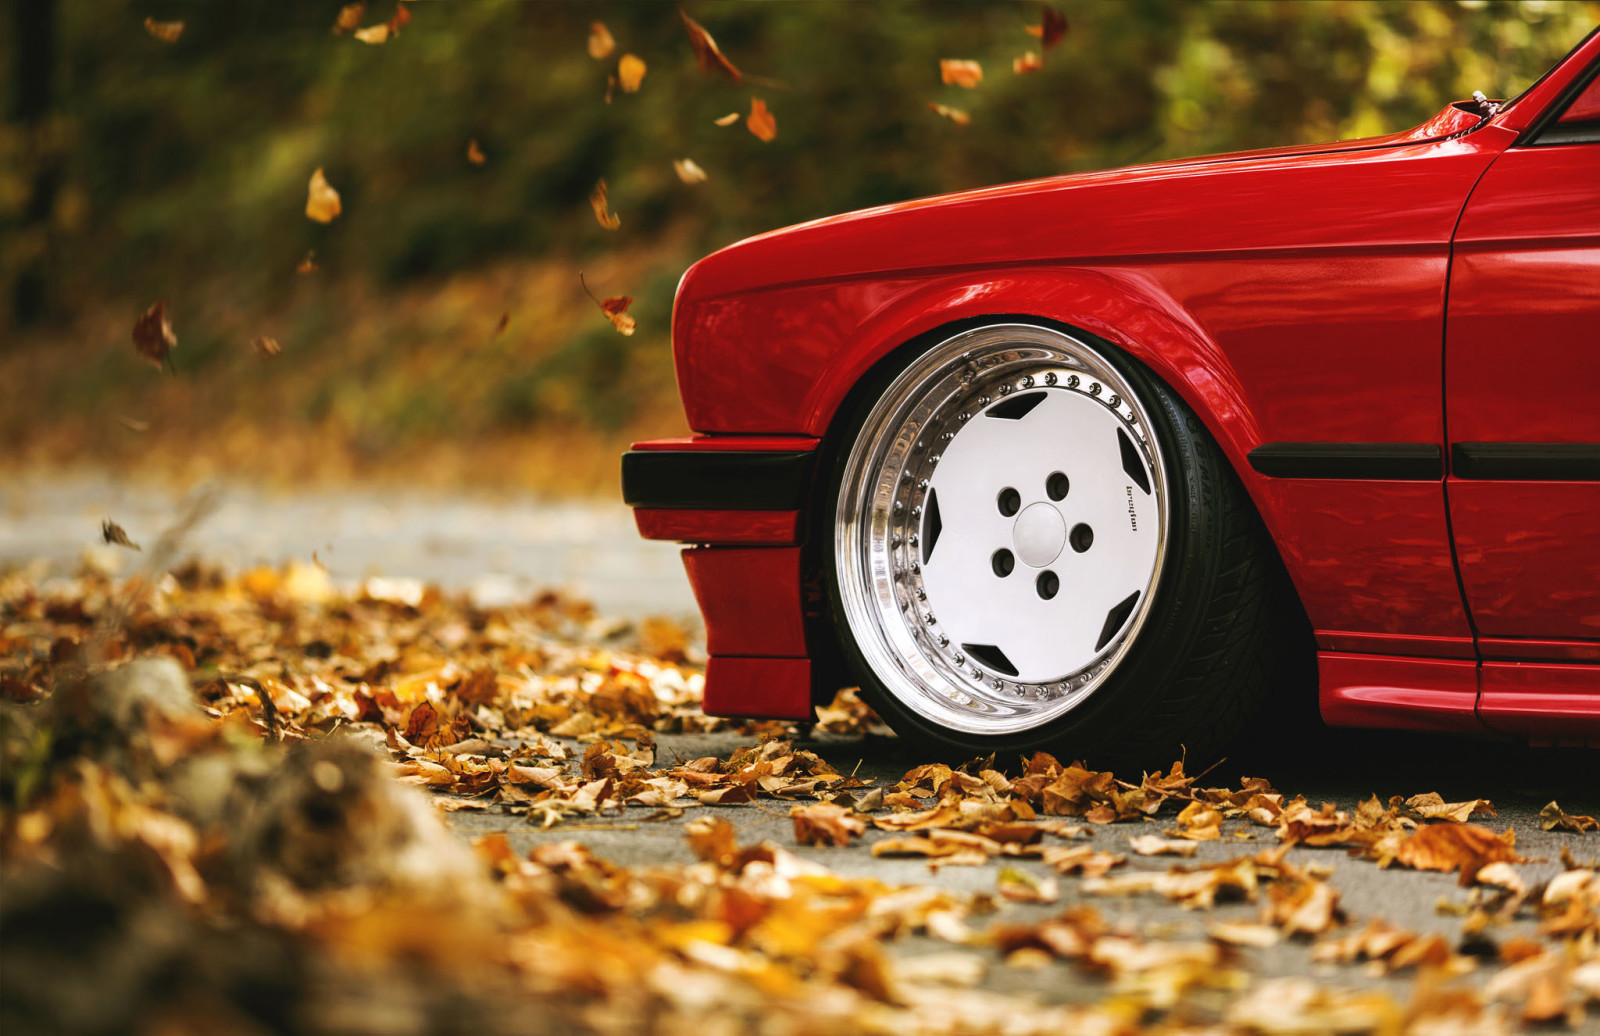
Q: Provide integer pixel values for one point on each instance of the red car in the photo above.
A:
(1094, 462)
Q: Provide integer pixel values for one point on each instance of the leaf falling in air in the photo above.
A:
(601, 43)
(615, 308)
(1028, 62)
(475, 153)
(1052, 28)
(760, 120)
(113, 534)
(308, 264)
(133, 424)
(152, 335)
(630, 73)
(349, 19)
(265, 345)
(960, 72)
(728, 119)
(166, 32)
(400, 19)
(706, 52)
(955, 115)
(504, 322)
(688, 170)
(322, 201)
(602, 209)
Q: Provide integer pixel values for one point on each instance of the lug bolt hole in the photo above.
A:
(1047, 584)
(1056, 486)
(1003, 562)
(1081, 537)
(1010, 501)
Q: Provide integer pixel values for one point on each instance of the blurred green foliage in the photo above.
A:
(178, 171)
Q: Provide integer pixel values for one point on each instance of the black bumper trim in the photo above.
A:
(1413, 461)
(717, 480)
(1527, 461)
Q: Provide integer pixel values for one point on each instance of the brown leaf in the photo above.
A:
(1052, 28)
(166, 32)
(1019, 886)
(1153, 845)
(630, 73)
(955, 115)
(616, 310)
(308, 264)
(422, 724)
(688, 170)
(826, 824)
(265, 346)
(602, 209)
(475, 153)
(1553, 818)
(322, 201)
(1028, 62)
(728, 119)
(349, 19)
(112, 533)
(601, 42)
(1456, 847)
(760, 120)
(1433, 807)
(706, 52)
(152, 335)
(960, 72)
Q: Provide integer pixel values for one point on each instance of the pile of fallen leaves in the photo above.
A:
(214, 819)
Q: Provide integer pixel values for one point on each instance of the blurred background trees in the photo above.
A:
(436, 331)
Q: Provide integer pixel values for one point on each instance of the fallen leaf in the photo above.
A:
(760, 120)
(265, 346)
(152, 335)
(112, 533)
(601, 42)
(1028, 62)
(349, 19)
(1243, 933)
(1466, 848)
(1433, 807)
(1553, 818)
(960, 72)
(728, 119)
(955, 115)
(1052, 28)
(688, 170)
(602, 209)
(1019, 886)
(706, 52)
(1154, 845)
(322, 201)
(475, 153)
(630, 73)
(825, 823)
(166, 32)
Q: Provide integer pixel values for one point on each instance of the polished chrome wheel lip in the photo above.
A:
(880, 520)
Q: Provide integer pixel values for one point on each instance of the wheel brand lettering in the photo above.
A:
(1133, 516)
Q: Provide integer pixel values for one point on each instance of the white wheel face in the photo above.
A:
(1000, 529)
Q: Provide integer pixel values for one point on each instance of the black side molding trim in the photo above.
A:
(1372, 460)
(716, 480)
(1529, 461)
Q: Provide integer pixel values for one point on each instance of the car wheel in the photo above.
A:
(1035, 545)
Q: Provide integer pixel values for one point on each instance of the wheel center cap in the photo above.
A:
(1040, 533)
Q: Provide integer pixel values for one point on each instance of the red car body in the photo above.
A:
(1395, 341)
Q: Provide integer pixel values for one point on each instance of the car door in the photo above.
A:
(1522, 389)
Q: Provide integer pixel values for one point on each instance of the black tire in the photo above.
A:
(1224, 626)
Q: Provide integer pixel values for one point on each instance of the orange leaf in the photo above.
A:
(349, 19)
(308, 264)
(152, 334)
(760, 120)
(1052, 28)
(601, 42)
(602, 210)
(166, 32)
(422, 724)
(373, 34)
(322, 201)
(1028, 62)
(706, 52)
(475, 153)
(630, 73)
(401, 18)
(955, 115)
(266, 346)
(616, 310)
(960, 72)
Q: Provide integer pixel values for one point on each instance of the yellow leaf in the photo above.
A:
(955, 115)
(166, 32)
(373, 34)
(959, 72)
(728, 119)
(602, 209)
(601, 42)
(630, 73)
(322, 201)
(688, 171)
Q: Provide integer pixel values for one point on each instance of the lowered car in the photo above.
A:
(1101, 463)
